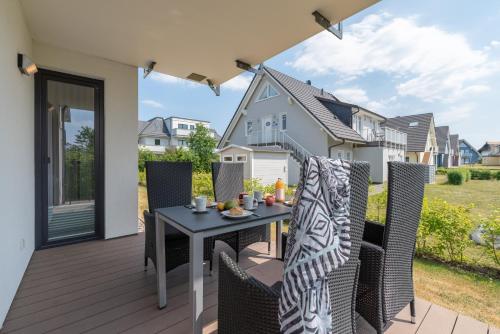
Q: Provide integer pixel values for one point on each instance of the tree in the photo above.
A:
(202, 145)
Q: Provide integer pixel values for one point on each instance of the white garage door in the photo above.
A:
(270, 166)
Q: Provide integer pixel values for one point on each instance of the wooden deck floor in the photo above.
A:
(101, 287)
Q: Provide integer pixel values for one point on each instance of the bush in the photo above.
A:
(481, 174)
(377, 205)
(498, 175)
(202, 185)
(444, 230)
(456, 177)
(441, 171)
(491, 232)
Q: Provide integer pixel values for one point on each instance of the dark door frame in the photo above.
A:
(41, 170)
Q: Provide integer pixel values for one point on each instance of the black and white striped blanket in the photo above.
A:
(318, 243)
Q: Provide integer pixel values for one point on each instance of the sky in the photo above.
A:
(396, 58)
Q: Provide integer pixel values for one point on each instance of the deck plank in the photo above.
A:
(401, 324)
(438, 320)
(101, 287)
(468, 325)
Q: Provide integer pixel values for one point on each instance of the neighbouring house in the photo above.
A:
(160, 134)
(278, 110)
(468, 154)
(490, 153)
(266, 163)
(422, 144)
(443, 158)
(455, 150)
(78, 118)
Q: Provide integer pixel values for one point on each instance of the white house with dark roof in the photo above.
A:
(280, 110)
(421, 136)
(160, 134)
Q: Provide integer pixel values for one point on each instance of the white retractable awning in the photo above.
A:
(182, 36)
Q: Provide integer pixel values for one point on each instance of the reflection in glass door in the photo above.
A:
(70, 159)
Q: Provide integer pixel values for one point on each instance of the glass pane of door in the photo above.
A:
(71, 156)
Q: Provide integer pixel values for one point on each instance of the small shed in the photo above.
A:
(267, 163)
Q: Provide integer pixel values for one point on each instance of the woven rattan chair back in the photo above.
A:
(343, 281)
(168, 183)
(405, 196)
(227, 179)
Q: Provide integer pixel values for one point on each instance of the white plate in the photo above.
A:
(245, 214)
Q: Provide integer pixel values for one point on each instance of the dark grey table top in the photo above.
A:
(199, 222)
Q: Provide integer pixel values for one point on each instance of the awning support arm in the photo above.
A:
(337, 29)
(245, 66)
(215, 88)
(149, 69)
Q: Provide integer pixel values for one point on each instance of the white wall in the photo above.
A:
(375, 156)
(120, 137)
(17, 168)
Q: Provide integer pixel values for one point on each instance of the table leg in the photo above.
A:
(161, 278)
(279, 250)
(196, 281)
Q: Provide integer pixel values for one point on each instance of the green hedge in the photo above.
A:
(458, 176)
(441, 171)
(481, 174)
(498, 175)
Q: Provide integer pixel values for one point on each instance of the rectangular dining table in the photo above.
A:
(199, 226)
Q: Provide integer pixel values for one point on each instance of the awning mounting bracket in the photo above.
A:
(149, 69)
(245, 66)
(335, 29)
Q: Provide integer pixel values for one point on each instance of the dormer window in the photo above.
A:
(267, 92)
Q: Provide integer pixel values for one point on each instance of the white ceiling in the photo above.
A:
(182, 36)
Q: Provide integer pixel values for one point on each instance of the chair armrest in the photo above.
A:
(374, 232)
(245, 305)
(372, 261)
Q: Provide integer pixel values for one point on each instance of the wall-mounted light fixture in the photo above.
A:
(26, 65)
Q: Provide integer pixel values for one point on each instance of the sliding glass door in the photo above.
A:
(69, 119)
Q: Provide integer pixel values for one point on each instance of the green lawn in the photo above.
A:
(482, 194)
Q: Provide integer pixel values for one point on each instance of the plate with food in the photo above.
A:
(236, 213)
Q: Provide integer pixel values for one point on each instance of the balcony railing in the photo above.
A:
(385, 135)
(181, 132)
(278, 138)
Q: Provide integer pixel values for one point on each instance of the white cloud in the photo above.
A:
(425, 61)
(455, 114)
(153, 104)
(352, 95)
(241, 82)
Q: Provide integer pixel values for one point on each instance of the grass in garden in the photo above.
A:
(464, 292)
(482, 194)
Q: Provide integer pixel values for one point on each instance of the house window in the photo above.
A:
(339, 154)
(227, 158)
(182, 142)
(348, 155)
(392, 157)
(407, 159)
(241, 158)
(182, 126)
(191, 127)
(267, 92)
(283, 121)
(249, 128)
(413, 124)
(157, 142)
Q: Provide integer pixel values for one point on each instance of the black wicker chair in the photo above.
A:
(246, 305)
(386, 276)
(227, 180)
(169, 184)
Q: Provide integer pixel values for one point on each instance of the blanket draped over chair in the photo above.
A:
(318, 243)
